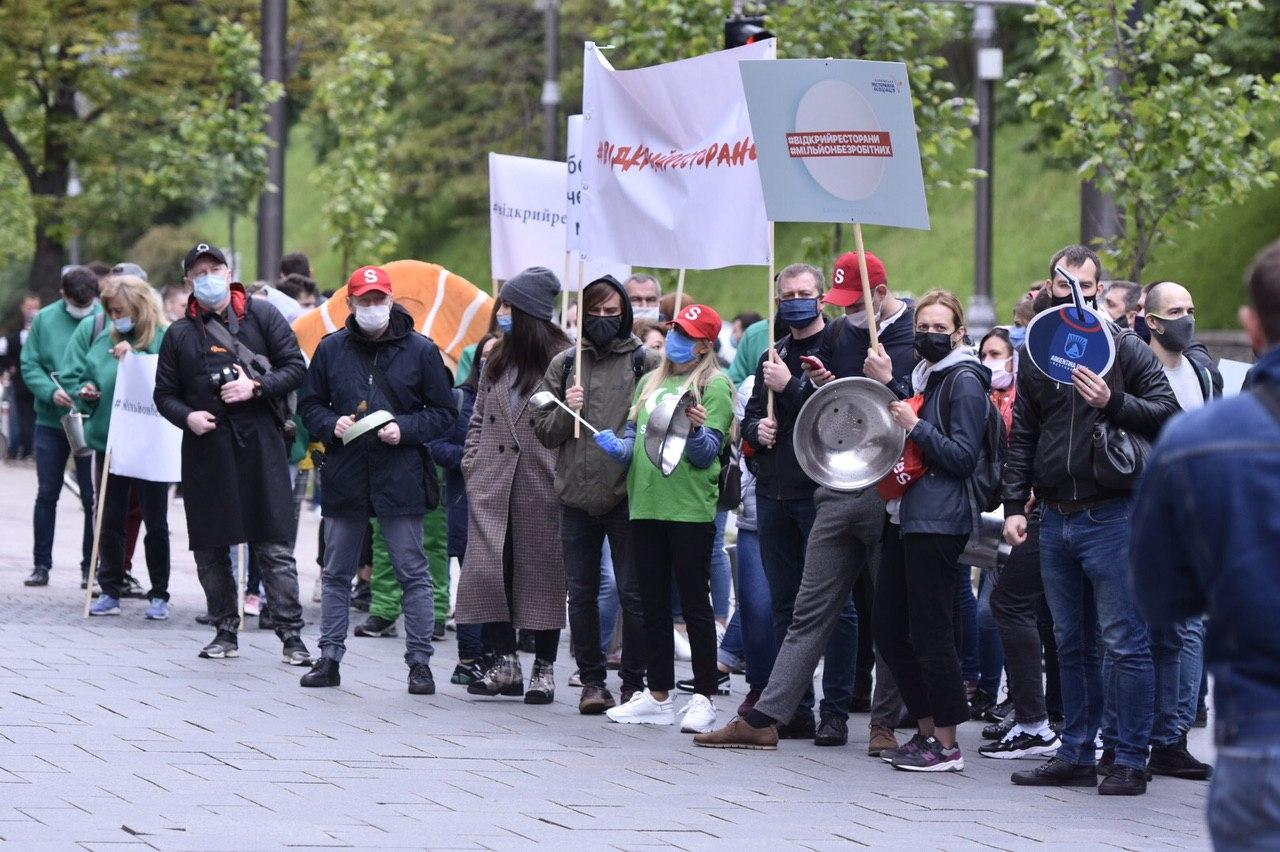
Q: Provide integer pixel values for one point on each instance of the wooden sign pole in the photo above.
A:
(97, 534)
(873, 321)
(773, 352)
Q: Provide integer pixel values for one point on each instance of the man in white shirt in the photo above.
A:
(1178, 650)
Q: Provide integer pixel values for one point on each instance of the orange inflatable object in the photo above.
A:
(445, 307)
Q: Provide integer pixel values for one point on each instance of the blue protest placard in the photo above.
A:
(1066, 337)
(836, 140)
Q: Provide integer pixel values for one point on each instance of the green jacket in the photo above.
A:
(89, 359)
(586, 478)
(45, 353)
(755, 340)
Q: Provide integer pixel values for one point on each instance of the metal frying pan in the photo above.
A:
(668, 431)
(844, 437)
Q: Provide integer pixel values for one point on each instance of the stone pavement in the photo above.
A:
(114, 735)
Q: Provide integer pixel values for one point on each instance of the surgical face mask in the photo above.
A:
(600, 330)
(1017, 335)
(79, 313)
(372, 319)
(211, 289)
(680, 347)
(650, 314)
(504, 323)
(1177, 333)
(799, 313)
(933, 346)
(1000, 377)
(124, 325)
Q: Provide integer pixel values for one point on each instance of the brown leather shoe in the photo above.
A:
(738, 734)
(595, 700)
(882, 739)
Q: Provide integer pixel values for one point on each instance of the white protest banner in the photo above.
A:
(837, 141)
(528, 220)
(669, 164)
(573, 197)
(142, 444)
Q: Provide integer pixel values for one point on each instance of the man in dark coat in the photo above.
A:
(235, 463)
(378, 364)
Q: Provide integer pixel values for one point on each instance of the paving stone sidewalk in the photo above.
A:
(114, 735)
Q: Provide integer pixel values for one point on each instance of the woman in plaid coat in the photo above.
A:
(513, 571)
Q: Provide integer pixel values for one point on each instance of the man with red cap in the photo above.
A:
(847, 527)
(376, 392)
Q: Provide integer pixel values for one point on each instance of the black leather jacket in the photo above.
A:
(1051, 445)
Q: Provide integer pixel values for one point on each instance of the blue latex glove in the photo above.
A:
(612, 445)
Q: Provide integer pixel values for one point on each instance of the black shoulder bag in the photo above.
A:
(282, 407)
(430, 484)
(1119, 455)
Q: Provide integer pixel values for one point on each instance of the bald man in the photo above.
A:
(1171, 316)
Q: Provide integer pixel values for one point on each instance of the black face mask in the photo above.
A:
(1058, 301)
(1140, 326)
(1177, 333)
(1123, 322)
(600, 330)
(933, 346)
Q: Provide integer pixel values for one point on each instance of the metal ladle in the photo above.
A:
(542, 399)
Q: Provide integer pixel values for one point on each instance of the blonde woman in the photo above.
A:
(673, 519)
(135, 324)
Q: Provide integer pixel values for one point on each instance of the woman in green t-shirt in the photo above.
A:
(673, 519)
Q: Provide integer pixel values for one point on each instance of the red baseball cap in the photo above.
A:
(701, 322)
(846, 281)
(368, 279)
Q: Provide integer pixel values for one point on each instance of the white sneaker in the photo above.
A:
(644, 709)
(699, 716)
(683, 652)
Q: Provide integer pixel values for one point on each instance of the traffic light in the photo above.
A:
(742, 29)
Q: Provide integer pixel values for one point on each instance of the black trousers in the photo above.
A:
(500, 636)
(154, 499)
(679, 551)
(1016, 602)
(914, 600)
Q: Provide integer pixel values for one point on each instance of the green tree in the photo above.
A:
(1133, 99)
(646, 32)
(352, 96)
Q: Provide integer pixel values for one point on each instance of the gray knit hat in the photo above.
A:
(533, 291)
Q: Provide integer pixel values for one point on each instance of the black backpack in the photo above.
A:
(985, 482)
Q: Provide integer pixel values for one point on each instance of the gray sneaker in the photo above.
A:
(295, 652)
(542, 683)
(504, 677)
(224, 646)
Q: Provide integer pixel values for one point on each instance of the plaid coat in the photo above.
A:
(510, 481)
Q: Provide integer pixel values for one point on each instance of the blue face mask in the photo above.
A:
(124, 325)
(504, 323)
(680, 347)
(798, 313)
(211, 289)
(1017, 334)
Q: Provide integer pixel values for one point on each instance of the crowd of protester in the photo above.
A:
(528, 465)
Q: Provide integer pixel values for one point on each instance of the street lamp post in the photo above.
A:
(989, 67)
(551, 85)
(271, 201)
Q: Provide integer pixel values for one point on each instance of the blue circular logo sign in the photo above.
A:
(1063, 338)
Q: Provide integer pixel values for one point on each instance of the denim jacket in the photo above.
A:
(1206, 538)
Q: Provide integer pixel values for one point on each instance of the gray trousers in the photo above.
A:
(279, 574)
(343, 542)
(844, 542)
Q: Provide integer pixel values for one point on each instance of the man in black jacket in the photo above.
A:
(378, 363)
(1084, 539)
(845, 532)
(223, 370)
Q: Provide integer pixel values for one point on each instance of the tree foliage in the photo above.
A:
(646, 32)
(1134, 100)
(352, 95)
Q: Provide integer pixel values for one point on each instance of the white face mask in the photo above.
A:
(650, 314)
(1000, 377)
(80, 313)
(373, 318)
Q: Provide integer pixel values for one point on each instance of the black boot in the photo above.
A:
(1176, 762)
(421, 681)
(1124, 781)
(324, 672)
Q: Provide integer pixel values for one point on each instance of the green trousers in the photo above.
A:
(385, 588)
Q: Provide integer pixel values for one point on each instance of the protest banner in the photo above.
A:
(1066, 337)
(142, 444)
(669, 164)
(837, 143)
(528, 219)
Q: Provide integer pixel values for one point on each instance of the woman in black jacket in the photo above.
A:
(926, 531)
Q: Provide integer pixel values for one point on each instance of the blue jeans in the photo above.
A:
(1166, 656)
(750, 636)
(784, 527)
(1083, 549)
(966, 622)
(1190, 671)
(990, 645)
(470, 641)
(608, 602)
(1244, 798)
(52, 451)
